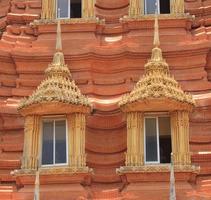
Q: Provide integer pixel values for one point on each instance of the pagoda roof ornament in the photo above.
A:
(156, 84)
(58, 86)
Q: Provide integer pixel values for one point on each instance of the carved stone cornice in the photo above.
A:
(157, 168)
(157, 173)
(54, 175)
(157, 83)
(160, 16)
(52, 171)
(67, 21)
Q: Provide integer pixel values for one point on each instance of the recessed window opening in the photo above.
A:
(157, 132)
(68, 9)
(54, 142)
(163, 6)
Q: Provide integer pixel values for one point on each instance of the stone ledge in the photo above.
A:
(157, 168)
(157, 173)
(54, 175)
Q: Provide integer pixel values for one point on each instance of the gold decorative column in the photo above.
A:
(177, 7)
(180, 137)
(48, 9)
(71, 138)
(31, 142)
(135, 139)
(79, 139)
(155, 93)
(76, 140)
(88, 8)
(56, 95)
(136, 8)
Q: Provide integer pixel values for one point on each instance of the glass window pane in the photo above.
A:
(150, 6)
(75, 10)
(60, 141)
(151, 140)
(165, 139)
(64, 9)
(164, 6)
(47, 143)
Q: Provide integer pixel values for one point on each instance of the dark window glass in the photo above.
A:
(75, 11)
(165, 139)
(54, 142)
(47, 144)
(60, 141)
(69, 8)
(164, 6)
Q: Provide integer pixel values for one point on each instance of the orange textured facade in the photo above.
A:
(105, 60)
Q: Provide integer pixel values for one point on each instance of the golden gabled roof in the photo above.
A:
(157, 81)
(58, 85)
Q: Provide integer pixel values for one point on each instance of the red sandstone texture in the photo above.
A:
(104, 71)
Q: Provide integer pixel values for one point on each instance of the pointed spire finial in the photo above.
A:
(58, 58)
(58, 36)
(156, 27)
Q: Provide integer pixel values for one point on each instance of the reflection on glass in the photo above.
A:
(151, 140)
(63, 7)
(150, 6)
(60, 142)
(47, 145)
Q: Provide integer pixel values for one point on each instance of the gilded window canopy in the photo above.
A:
(57, 95)
(156, 92)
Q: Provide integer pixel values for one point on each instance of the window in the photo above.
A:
(54, 142)
(69, 8)
(163, 6)
(157, 139)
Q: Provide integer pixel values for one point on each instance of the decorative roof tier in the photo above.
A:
(58, 86)
(156, 85)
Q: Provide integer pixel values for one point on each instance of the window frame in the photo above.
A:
(154, 116)
(69, 10)
(145, 8)
(54, 119)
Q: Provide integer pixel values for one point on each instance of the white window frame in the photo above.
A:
(145, 7)
(54, 119)
(157, 136)
(69, 10)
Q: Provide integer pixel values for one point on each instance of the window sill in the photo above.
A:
(160, 16)
(65, 21)
(63, 170)
(52, 170)
(64, 175)
(157, 173)
(154, 168)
